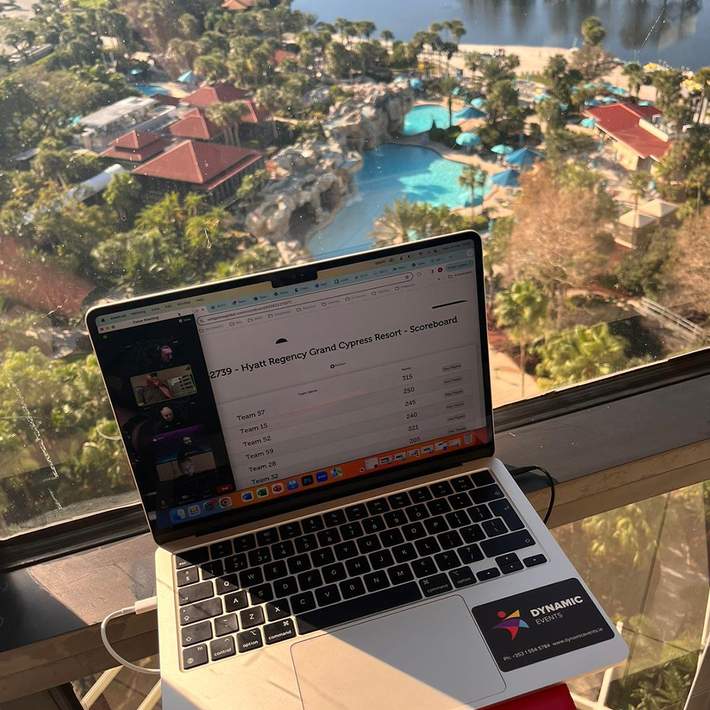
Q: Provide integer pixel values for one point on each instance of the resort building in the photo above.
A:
(209, 95)
(196, 126)
(134, 112)
(637, 141)
(135, 147)
(238, 5)
(196, 166)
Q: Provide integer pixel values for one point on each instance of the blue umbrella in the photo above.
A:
(456, 91)
(479, 102)
(644, 103)
(501, 149)
(541, 97)
(609, 100)
(468, 139)
(186, 77)
(524, 157)
(508, 178)
(416, 84)
(587, 123)
(468, 112)
(591, 102)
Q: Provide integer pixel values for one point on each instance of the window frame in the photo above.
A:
(104, 527)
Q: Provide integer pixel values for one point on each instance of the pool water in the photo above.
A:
(150, 89)
(389, 172)
(420, 118)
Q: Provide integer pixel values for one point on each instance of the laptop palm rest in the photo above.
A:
(430, 657)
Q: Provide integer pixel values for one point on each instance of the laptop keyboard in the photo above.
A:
(261, 588)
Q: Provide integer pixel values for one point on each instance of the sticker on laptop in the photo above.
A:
(540, 624)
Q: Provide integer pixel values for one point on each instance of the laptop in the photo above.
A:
(314, 451)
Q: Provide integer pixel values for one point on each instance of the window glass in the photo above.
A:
(150, 145)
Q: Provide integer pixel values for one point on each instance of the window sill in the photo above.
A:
(603, 453)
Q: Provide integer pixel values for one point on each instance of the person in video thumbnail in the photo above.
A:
(168, 420)
(166, 355)
(186, 466)
(155, 389)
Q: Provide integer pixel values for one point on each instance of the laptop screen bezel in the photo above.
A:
(338, 489)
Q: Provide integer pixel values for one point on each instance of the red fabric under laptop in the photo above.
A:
(555, 698)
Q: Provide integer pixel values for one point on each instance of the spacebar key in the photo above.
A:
(358, 607)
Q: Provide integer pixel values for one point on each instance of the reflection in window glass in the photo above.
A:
(151, 145)
(647, 563)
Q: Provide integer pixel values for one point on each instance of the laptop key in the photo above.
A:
(249, 640)
(266, 537)
(420, 495)
(345, 550)
(507, 543)
(352, 588)
(275, 570)
(472, 533)
(447, 560)
(457, 518)
(479, 513)
(283, 549)
(236, 601)
(427, 546)
(222, 648)
(192, 557)
(449, 539)
(212, 569)
(395, 518)
(195, 593)
(194, 656)
(305, 543)
(486, 494)
(373, 603)
(334, 517)
(251, 577)
(285, 587)
(400, 573)
(436, 525)
(494, 527)
(279, 631)
(278, 609)
(329, 536)
(389, 538)
(462, 577)
(244, 542)
(356, 512)
(288, 530)
(357, 566)
(505, 510)
(350, 531)
(376, 581)
(509, 563)
(327, 595)
(226, 584)
(236, 563)
(490, 573)
(438, 506)
(221, 549)
(260, 556)
(380, 559)
(312, 524)
(201, 610)
(482, 478)
(322, 556)
(416, 512)
(302, 602)
(253, 616)
(333, 573)
(226, 625)
(261, 593)
(413, 531)
(187, 576)
(310, 580)
(369, 543)
(398, 500)
(459, 501)
(377, 506)
(534, 560)
(196, 633)
(461, 483)
(470, 553)
(374, 524)
(441, 489)
(424, 567)
(436, 584)
(299, 563)
(404, 553)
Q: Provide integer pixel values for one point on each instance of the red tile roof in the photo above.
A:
(281, 55)
(203, 164)
(254, 113)
(194, 124)
(621, 122)
(221, 92)
(238, 5)
(135, 146)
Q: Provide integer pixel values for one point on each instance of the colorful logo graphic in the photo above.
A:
(512, 623)
(321, 476)
(292, 485)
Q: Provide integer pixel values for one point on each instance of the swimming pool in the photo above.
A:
(150, 89)
(389, 172)
(420, 118)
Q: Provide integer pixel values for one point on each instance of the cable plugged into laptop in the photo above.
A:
(140, 607)
(517, 471)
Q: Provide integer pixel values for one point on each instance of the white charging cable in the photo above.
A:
(140, 607)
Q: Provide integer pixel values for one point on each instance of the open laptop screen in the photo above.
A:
(240, 395)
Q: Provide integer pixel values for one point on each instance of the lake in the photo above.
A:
(674, 31)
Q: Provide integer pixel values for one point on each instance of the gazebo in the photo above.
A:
(523, 157)
(467, 113)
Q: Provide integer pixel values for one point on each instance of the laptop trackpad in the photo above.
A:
(431, 657)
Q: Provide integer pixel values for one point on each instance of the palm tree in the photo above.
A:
(226, 116)
(387, 36)
(593, 31)
(635, 75)
(398, 222)
(522, 310)
(447, 84)
(638, 184)
(473, 178)
(269, 98)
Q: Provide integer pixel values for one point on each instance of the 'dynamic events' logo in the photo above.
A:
(512, 623)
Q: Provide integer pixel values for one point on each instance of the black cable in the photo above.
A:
(520, 470)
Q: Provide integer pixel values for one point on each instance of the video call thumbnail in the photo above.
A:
(156, 387)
